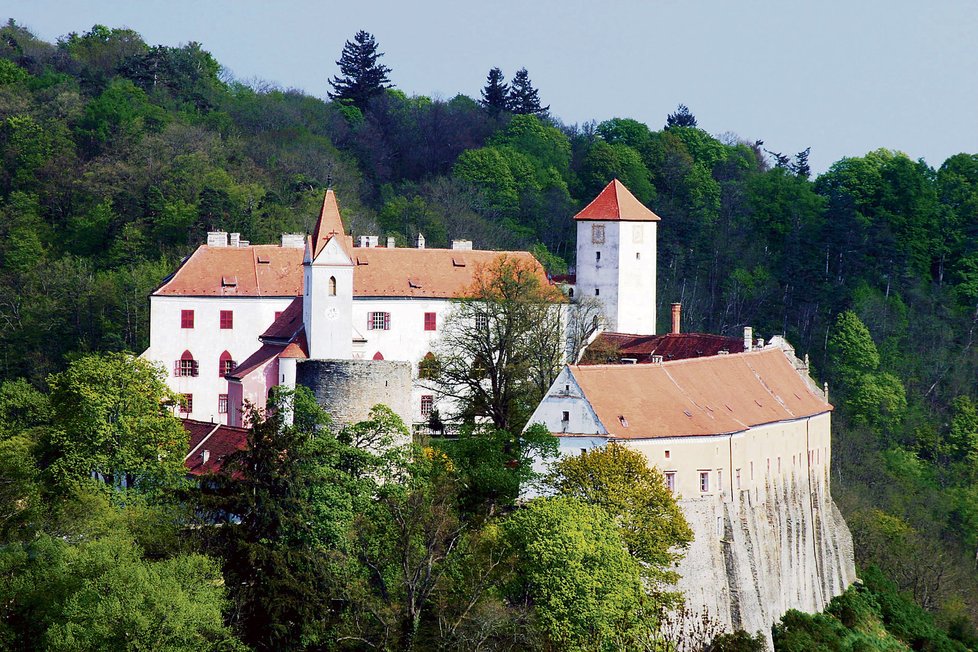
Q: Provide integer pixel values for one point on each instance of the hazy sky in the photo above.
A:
(844, 77)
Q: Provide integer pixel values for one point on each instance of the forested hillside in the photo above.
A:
(117, 156)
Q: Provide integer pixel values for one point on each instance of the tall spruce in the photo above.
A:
(681, 118)
(495, 94)
(363, 76)
(523, 98)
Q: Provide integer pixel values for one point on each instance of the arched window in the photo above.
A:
(186, 365)
(378, 356)
(428, 367)
(332, 286)
(225, 365)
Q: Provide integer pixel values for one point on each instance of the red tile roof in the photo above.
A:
(434, 273)
(287, 324)
(252, 271)
(615, 202)
(611, 347)
(700, 396)
(217, 439)
(264, 354)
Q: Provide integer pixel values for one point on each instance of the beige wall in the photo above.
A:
(781, 453)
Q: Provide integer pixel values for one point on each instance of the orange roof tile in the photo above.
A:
(609, 347)
(615, 202)
(252, 271)
(698, 396)
(434, 273)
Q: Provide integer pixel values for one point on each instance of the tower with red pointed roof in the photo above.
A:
(616, 258)
(327, 306)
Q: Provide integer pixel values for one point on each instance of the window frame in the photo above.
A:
(431, 321)
(186, 403)
(378, 321)
(704, 482)
(222, 403)
(427, 404)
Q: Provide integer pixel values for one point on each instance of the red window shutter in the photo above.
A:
(196, 369)
(176, 368)
(227, 319)
(186, 319)
(370, 321)
(429, 321)
(387, 321)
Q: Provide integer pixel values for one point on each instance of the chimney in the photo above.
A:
(748, 337)
(235, 239)
(420, 240)
(462, 245)
(293, 240)
(391, 242)
(204, 456)
(760, 342)
(677, 310)
(217, 239)
(369, 241)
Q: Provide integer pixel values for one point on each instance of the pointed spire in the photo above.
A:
(615, 202)
(330, 224)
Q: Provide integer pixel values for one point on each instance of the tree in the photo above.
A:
(363, 77)
(621, 482)
(852, 352)
(523, 98)
(271, 534)
(585, 589)
(681, 118)
(114, 422)
(502, 344)
(495, 94)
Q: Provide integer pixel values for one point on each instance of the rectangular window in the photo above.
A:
(667, 454)
(720, 480)
(222, 403)
(227, 366)
(704, 481)
(565, 416)
(427, 405)
(227, 319)
(671, 481)
(738, 478)
(597, 234)
(378, 321)
(186, 319)
(186, 403)
(481, 321)
(430, 321)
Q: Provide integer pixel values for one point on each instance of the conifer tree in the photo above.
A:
(681, 118)
(523, 98)
(495, 95)
(363, 76)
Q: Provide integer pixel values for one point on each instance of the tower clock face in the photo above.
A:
(332, 314)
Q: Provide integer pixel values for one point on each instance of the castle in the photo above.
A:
(738, 428)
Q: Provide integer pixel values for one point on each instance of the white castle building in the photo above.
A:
(235, 318)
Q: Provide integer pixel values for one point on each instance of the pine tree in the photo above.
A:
(681, 118)
(363, 77)
(495, 94)
(523, 98)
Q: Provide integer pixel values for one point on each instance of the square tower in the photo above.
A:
(616, 258)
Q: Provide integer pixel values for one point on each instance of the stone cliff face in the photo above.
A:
(780, 547)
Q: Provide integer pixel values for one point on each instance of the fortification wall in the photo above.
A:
(347, 389)
(781, 546)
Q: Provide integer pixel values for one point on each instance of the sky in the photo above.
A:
(843, 77)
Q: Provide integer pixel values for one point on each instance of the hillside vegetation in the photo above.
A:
(116, 158)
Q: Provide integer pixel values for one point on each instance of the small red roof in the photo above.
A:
(287, 324)
(615, 202)
(266, 353)
(612, 347)
(216, 439)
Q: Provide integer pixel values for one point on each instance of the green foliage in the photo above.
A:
(584, 586)
(852, 351)
(363, 76)
(113, 418)
(11, 73)
(621, 482)
(102, 594)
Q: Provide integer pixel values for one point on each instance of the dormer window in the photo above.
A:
(229, 281)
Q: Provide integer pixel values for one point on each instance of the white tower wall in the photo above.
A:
(327, 311)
